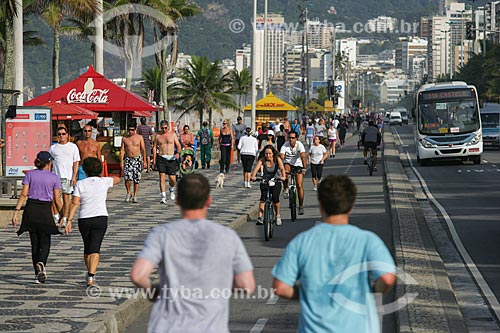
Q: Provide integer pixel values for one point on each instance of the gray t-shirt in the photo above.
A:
(197, 260)
(239, 130)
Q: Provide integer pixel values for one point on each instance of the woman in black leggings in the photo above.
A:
(226, 142)
(90, 194)
(41, 187)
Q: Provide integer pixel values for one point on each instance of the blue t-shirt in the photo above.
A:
(335, 265)
(42, 184)
(309, 131)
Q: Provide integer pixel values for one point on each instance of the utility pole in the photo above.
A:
(264, 54)
(302, 58)
(254, 65)
(462, 41)
(307, 60)
(334, 51)
(484, 31)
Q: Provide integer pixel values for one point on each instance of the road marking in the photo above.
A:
(273, 299)
(351, 162)
(476, 274)
(259, 325)
(399, 138)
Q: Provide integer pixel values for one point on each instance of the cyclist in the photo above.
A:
(270, 162)
(371, 138)
(293, 154)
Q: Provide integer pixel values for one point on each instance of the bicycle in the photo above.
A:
(269, 216)
(370, 162)
(292, 192)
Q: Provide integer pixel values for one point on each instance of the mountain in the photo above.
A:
(209, 34)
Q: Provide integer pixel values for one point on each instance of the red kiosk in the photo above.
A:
(94, 92)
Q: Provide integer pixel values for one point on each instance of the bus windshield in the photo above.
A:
(448, 116)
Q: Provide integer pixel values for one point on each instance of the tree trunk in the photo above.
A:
(55, 58)
(210, 119)
(163, 84)
(8, 76)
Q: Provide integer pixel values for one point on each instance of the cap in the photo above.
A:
(44, 156)
(239, 118)
(270, 132)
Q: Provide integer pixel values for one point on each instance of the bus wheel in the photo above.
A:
(476, 159)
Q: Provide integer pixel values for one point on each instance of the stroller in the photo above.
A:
(188, 161)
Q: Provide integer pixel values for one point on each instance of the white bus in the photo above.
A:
(447, 122)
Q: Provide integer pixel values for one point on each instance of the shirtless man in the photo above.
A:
(88, 147)
(132, 161)
(166, 160)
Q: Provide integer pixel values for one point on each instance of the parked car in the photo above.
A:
(395, 118)
(490, 119)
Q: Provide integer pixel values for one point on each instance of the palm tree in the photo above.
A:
(202, 87)
(241, 83)
(152, 81)
(54, 12)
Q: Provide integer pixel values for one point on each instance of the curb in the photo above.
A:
(437, 309)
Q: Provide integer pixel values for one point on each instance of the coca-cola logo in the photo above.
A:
(95, 96)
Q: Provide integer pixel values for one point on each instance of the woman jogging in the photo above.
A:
(342, 131)
(90, 194)
(248, 147)
(270, 161)
(317, 157)
(41, 187)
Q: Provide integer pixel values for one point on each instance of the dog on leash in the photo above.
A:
(219, 180)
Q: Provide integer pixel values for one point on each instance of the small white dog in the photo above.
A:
(219, 180)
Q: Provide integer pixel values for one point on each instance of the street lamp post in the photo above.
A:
(254, 65)
(462, 40)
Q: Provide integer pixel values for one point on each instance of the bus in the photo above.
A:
(448, 125)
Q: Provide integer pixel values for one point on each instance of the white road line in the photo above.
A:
(273, 299)
(351, 162)
(259, 325)
(399, 138)
(481, 282)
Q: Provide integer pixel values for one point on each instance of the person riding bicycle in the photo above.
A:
(270, 162)
(371, 138)
(293, 154)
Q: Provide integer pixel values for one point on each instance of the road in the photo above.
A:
(466, 197)
(263, 313)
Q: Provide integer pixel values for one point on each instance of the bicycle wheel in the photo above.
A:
(293, 203)
(273, 221)
(267, 221)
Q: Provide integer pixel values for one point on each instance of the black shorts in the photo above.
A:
(370, 144)
(247, 161)
(275, 192)
(166, 166)
(92, 230)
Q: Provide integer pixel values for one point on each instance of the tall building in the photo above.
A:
(458, 14)
(243, 58)
(438, 48)
(406, 49)
(319, 34)
(275, 46)
(382, 24)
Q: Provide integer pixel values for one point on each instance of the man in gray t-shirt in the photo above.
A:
(238, 130)
(199, 263)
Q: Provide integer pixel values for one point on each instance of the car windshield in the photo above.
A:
(448, 116)
(490, 120)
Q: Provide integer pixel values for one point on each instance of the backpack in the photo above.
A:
(205, 136)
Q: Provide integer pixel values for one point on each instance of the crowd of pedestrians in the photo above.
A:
(196, 253)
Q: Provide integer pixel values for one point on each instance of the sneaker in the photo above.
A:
(259, 221)
(163, 200)
(36, 281)
(57, 217)
(374, 168)
(128, 197)
(134, 200)
(42, 275)
(285, 194)
(172, 195)
(315, 188)
(333, 156)
(365, 162)
(278, 220)
(301, 210)
(91, 281)
(249, 185)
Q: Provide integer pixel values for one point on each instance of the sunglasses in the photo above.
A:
(61, 134)
(131, 129)
(87, 131)
(292, 137)
(164, 128)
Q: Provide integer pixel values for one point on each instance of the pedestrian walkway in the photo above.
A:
(63, 304)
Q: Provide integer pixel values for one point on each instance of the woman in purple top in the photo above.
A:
(41, 187)
(146, 133)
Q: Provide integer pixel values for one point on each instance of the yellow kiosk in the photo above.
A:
(269, 108)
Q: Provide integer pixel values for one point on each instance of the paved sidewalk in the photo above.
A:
(62, 303)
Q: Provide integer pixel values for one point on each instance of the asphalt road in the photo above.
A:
(469, 195)
(263, 313)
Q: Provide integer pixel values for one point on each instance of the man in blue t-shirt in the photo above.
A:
(336, 264)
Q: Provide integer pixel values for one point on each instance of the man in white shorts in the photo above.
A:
(66, 160)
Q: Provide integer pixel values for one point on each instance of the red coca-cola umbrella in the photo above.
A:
(62, 110)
